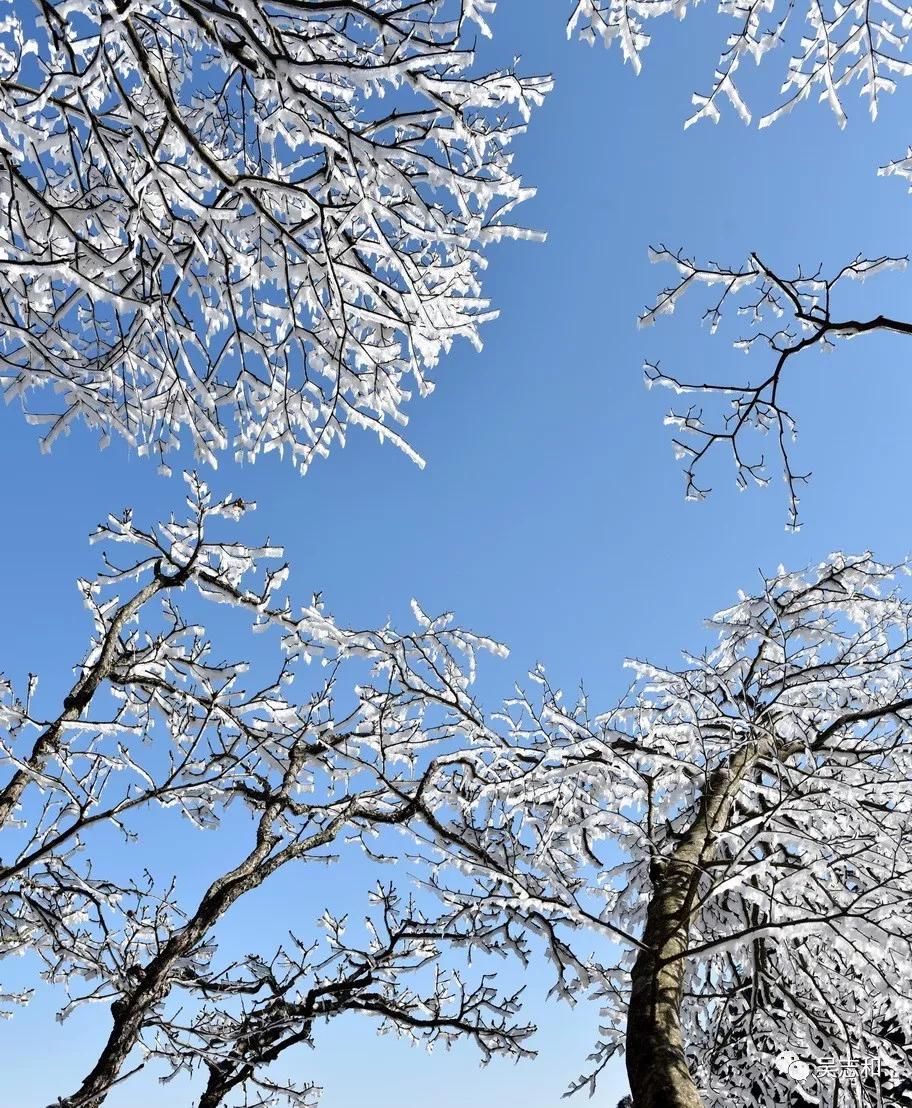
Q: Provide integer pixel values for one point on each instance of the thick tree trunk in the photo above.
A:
(656, 1065)
(656, 1062)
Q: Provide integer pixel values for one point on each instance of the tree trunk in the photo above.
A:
(656, 1062)
(132, 1012)
(656, 1065)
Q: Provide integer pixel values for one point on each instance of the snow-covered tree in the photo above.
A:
(356, 739)
(744, 823)
(736, 834)
(828, 47)
(250, 224)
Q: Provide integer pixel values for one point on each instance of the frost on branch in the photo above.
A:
(829, 46)
(745, 821)
(264, 1007)
(784, 316)
(255, 224)
(735, 834)
(348, 740)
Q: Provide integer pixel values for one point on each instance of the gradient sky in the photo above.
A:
(550, 514)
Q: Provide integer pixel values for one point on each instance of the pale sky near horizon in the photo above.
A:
(550, 515)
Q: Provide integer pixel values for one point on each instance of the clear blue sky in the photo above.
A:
(550, 514)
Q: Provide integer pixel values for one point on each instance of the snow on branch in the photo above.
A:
(343, 740)
(832, 46)
(733, 837)
(747, 817)
(251, 225)
(785, 316)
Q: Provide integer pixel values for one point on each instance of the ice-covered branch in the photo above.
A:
(829, 46)
(395, 977)
(785, 317)
(251, 227)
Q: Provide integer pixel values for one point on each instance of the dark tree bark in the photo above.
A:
(80, 696)
(656, 1060)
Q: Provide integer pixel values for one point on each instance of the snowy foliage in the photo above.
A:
(357, 740)
(739, 827)
(252, 224)
(830, 46)
(840, 45)
(745, 823)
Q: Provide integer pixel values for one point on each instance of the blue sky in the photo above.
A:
(550, 514)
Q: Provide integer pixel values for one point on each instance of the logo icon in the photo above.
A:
(792, 1066)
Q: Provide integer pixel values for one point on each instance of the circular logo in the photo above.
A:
(792, 1066)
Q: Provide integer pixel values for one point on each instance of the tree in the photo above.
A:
(370, 754)
(745, 822)
(248, 225)
(787, 314)
(738, 830)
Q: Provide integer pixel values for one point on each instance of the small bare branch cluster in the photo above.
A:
(253, 223)
(786, 316)
(861, 43)
(157, 720)
(746, 822)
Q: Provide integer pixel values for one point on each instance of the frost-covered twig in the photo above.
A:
(831, 46)
(251, 227)
(786, 316)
